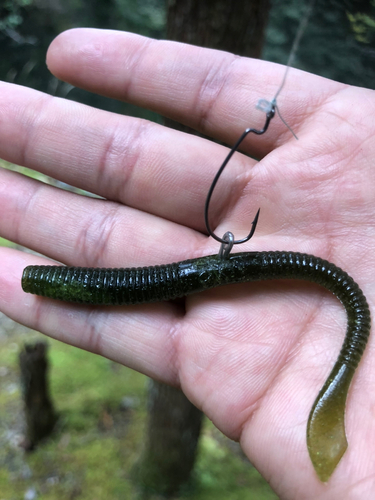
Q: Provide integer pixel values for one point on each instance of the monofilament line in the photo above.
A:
(301, 29)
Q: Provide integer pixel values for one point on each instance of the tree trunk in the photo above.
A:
(39, 412)
(174, 423)
(174, 426)
(236, 27)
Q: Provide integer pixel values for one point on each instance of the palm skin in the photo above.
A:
(253, 356)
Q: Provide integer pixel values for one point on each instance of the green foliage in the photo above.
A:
(10, 13)
(35, 25)
(363, 26)
(147, 17)
(331, 45)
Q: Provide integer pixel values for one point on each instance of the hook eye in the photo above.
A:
(227, 245)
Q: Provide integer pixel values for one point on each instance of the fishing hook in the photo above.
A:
(228, 240)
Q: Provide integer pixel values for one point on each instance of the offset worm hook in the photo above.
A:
(224, 241)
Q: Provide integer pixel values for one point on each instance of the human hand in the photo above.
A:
(252, 356)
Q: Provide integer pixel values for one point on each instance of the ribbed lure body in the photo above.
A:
(326, 438)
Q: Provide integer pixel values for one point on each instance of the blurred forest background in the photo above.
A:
(339, 42)
(102, 406)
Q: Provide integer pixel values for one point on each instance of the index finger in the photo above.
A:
(211, 91)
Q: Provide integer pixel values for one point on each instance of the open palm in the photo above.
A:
(252, 356)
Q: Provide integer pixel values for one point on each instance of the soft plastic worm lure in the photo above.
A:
(326, 439)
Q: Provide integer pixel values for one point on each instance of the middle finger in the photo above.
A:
(128, 160)
(83, 231)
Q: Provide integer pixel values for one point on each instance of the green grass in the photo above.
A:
(29, 173)
(25, 171)
(6, 243)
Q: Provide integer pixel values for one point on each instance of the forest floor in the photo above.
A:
(98, 439)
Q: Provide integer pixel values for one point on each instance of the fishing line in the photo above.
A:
(301, 29)
(270, 108)
(263, 104)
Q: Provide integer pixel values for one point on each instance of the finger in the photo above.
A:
(143, 165)
(214, 92)
(83, 231)
(100, 330)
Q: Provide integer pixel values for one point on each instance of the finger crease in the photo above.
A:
(210, 90)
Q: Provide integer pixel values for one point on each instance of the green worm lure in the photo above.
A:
(326, 439)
